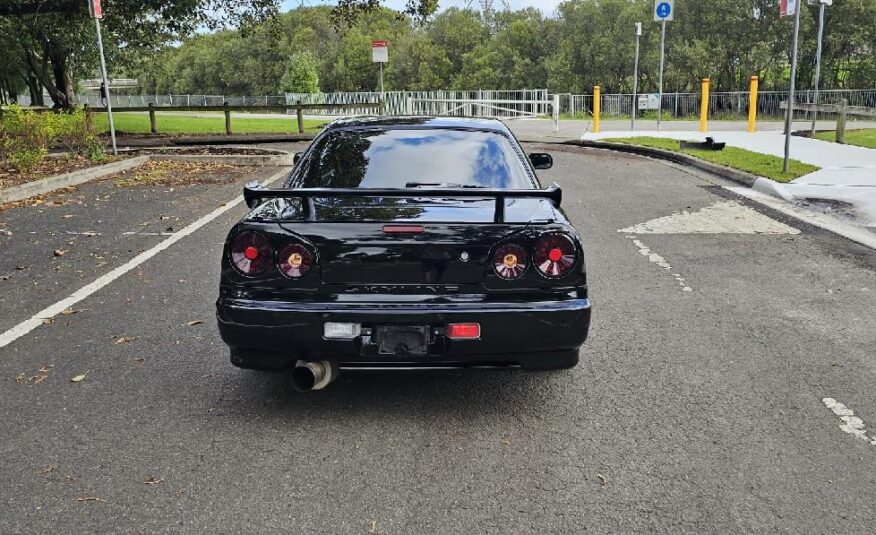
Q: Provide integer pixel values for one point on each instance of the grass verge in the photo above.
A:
(755, 163)
(138, 123)
(863, 138)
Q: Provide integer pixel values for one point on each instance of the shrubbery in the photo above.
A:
(26, 135)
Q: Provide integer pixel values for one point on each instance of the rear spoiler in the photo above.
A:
(254, 193)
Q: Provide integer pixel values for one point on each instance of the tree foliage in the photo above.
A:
(300, 75)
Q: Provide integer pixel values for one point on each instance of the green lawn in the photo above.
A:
(138, 123)
(744, 160)
(862, 138)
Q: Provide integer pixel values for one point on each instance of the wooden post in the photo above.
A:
(89, 119)
(153, 124)
(300, 114)
(841, 121)
(227, 119)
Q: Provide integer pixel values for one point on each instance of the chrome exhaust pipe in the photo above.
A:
(312, 375)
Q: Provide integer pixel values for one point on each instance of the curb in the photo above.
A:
(52, 183)
(740, 177)
(214, 140)
(45, 185)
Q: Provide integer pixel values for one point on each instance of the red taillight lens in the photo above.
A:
(464, 331)
(251, 253)
(555, 255)
(295, 260)
(510, 261)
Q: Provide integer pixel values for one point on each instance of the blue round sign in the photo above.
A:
(664, 9)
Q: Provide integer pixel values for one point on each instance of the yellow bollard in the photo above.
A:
(752, 104)
(596, 100)
(704, 107)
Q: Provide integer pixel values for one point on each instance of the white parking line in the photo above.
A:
(852, 424)
(655, 258)
(51, 311)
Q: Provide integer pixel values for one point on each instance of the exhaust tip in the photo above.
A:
(308, 376)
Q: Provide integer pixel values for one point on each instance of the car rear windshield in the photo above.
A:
(413, 157)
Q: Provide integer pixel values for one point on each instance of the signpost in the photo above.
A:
(636, 77)
(96, 12)
(664, 11)
(380, 54)
(821, 5)
(790, 7)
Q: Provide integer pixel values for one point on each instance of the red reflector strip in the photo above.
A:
(464, 331)
(402, 229)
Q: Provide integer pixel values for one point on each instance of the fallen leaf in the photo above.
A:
(46, 368)
(5, 232)
(67, 216)
(372, 526)
(5, 277)
(194, 322)
(124, 340)
(20, 268)
(48, 321)
(602, 479)
(505, 442)
(139, 360)
(79, 377)
(90, 499)
(69, 312)
(49, 469)
(19, 378)
(60, 252)
(153, 481)
(37, 379)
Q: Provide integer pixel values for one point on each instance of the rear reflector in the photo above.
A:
(341, 331)
(464, 331)
(402, 229)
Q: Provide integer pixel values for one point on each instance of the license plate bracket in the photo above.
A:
(402, 340)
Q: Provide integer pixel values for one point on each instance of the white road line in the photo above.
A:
(51, 311)
(852, 424)
(655, 258)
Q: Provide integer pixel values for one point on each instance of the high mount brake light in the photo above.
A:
(464, 331)
(294, 260)
(554, 255)
(509, 261)
(251, 253)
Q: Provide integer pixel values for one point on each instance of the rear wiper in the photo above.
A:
(440, 185)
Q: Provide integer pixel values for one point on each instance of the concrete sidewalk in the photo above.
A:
(847, 174)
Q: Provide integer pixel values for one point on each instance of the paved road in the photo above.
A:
(699, 404)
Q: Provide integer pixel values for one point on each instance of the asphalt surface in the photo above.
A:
(697, 410)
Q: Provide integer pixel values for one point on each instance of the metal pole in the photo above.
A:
(382, 95)
(636, 78)
(109, 106)
(790, 111)
(660, 93)
(818, 63)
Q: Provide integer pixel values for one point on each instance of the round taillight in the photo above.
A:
(295, 260)
(555, 255)
(250, 253)
(510, 261)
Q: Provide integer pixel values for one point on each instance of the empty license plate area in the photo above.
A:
(402, 340)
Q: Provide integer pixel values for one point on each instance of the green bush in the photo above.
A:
(27, 135)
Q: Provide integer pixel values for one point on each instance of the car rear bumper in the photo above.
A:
(534, 335)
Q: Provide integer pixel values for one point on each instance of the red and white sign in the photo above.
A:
(787, 7)
(94, 9)
(379, 51)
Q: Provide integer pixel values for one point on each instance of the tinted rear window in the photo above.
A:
(394, 158)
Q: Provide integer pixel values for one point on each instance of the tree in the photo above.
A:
(300, 75)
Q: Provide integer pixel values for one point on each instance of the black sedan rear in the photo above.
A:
(405, 243)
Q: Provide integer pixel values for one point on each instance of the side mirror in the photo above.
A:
(297, 157)
(541, 160)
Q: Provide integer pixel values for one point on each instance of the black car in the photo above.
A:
(400, 243)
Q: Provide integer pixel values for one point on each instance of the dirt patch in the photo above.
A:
(52, 166)
(176, 174)
(58, 197)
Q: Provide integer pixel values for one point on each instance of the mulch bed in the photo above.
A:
(177, 174)
(207, 151)
(9, 176)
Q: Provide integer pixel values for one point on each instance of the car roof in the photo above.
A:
(398, 123)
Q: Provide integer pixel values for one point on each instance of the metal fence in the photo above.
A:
(722, 105)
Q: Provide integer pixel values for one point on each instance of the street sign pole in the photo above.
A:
(660, 92)
(822, 5)
(97, 13)
(790, 111)
(380, 54)
(636, 77)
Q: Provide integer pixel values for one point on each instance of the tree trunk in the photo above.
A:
(63, 95)
(35, 88)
